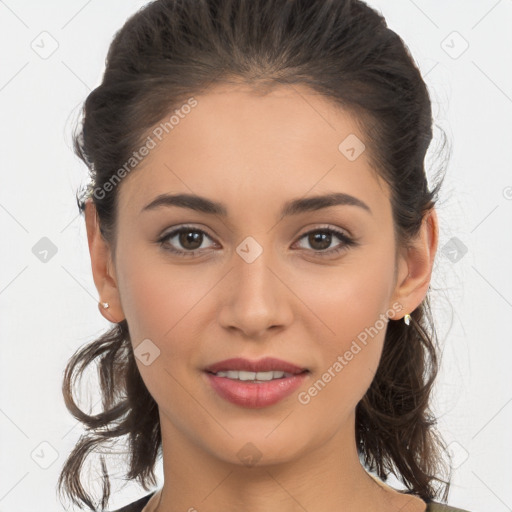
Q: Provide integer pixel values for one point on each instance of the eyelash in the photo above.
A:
(347, 241)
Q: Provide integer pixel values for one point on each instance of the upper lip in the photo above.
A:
(266, 364)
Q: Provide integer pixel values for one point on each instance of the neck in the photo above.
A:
(328, 477)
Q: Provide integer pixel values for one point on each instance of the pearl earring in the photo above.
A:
(407, 319)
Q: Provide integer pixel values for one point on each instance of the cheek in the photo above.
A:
(348, 300)
(353, 306)
(159, 303)
(157, 298)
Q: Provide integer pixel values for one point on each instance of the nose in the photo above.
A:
(256, 297)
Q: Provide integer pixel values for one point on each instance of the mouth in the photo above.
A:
(254, 376)
(245, 369)
(255, 384)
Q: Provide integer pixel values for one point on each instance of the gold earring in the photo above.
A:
(407, 319)
(105, 305)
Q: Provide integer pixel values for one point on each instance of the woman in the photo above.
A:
(262, 235)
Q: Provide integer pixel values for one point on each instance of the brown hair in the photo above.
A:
(342, 49)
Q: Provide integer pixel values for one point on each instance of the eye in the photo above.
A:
(320, 240)
(188, 237)
(191, 240)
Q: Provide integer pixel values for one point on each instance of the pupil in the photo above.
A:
(190, 236)
(320, 236)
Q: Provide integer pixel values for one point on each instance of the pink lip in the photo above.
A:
(266, 364)
(253, 394)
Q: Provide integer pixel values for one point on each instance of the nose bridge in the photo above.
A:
(255, 282)
(255, 299)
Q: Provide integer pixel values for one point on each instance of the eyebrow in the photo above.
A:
(292, 207)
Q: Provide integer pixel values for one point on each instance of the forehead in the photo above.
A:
(241, 142)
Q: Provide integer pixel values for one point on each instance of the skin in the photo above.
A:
(254, 152)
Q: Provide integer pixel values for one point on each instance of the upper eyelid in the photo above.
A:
(175, 231)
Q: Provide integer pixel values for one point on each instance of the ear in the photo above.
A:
(102, 267)
(415, 265)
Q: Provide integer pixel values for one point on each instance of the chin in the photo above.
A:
(258, 448)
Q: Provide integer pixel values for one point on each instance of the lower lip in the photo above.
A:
(255, 394)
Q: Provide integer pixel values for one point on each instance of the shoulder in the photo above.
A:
(434, 506)
(136, 506)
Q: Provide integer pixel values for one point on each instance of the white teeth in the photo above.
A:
(243, 375)
(269, 375)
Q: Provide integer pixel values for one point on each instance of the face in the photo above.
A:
(313, 288)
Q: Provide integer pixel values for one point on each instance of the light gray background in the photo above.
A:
(49, 307)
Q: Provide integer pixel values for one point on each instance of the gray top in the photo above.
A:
(434, 506)
(138, 505)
